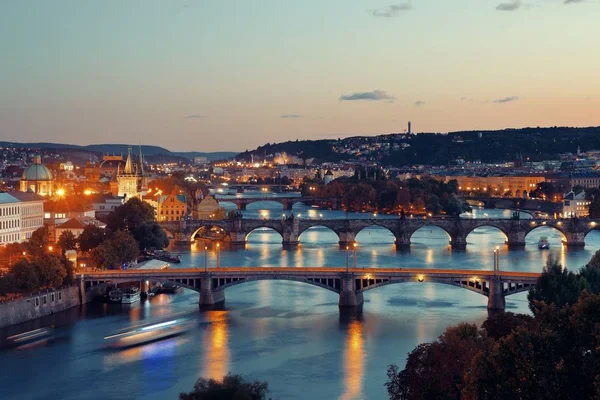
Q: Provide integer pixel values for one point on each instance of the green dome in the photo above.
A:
(37, 172)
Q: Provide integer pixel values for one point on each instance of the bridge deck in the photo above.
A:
(300, 271)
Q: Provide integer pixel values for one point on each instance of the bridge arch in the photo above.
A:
(375, 226)
(262, 228)
(210, 231)
(319, 229)
(331, 284)
(269, 202)
(494, 227)
(539, 228)
(435, 232)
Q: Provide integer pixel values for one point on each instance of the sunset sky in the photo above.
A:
(210, 75)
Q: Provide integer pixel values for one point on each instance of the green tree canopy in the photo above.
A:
(131, 215)
(50, 271)
(25, 277)
(232, 387)
(119, 248)
(91, 237)
(67, 241)
(150, 235)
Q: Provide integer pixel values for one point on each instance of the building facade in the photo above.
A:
(172, 207)
(209, 208)
(575, 205)
(20, 215)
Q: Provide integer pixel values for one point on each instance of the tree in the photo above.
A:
(24, 276)
(230, 388)
(435, 370)
(457, 206)
(500, 325)
(130, 215)
(67, 241)
(150, 235)
(50, 271)
(39, 241)
(118, 249)
(591, 273)
(91, 237)
(556, 286)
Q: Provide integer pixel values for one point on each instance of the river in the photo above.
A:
(290, 334)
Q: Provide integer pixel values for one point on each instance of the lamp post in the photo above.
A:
(354, 248)
(205, 258)
(496, 260)
(347, 259)
(218, 255)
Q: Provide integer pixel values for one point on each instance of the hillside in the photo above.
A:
(152, 153)
(535, 144)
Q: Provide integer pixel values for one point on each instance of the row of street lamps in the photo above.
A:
(218, 252)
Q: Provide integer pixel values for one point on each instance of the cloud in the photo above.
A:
(375, 95)
(510, 6)
(196, 116)
(392, 10)
(290, 116)
(419, 103)
(506, 99)
(573, 1)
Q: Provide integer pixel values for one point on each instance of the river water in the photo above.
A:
(290, 334)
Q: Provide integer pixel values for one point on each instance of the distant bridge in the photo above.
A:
(237, 229)
(287, 202)
(350, 283)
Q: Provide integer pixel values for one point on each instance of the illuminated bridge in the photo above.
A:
(236, 230)
(350, 283)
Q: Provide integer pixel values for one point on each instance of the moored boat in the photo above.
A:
(543, 244)
(131, 295)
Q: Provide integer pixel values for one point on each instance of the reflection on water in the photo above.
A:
(354, 358)
(216, 356)
(289, 334)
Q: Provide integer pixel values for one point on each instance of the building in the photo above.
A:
(498, 184)
(575, 205)
(132, 182)
(37, 178)
(328, 178)
(564, 182)
(103, 204)
(172, 207)
(209, 208)
(20, 215)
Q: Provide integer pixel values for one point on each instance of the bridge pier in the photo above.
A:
(458, 243)
(575, 240)
(349, 296)
(496, 299)
(237, 239)
(208, 295)
(287, 205)
(347, 239)
(403, 242)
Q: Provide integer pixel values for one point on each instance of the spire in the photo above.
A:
(128, 164)
(141, 162)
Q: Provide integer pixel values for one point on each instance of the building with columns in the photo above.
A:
(20, 215)
(37, 178)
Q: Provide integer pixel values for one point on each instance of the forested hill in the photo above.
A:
(535, 144)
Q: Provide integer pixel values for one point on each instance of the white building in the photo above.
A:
(20, 215)
(575, 205)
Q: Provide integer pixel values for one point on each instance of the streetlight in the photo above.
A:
(496, 260)
(347, 259)
(50, 248)
(354, 248)
(205, 258)
(218, 254)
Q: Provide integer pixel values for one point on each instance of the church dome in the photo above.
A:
(37, 171)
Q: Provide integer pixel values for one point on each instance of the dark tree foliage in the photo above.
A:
(500, 325)
(67, 241)
(232, 387)
(150, 235)
(119, 248)
(24, 276)
(129, 216)
(91, 237)
(39, 241)
(556, 286)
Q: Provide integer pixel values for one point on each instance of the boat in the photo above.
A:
(31, 338)
(131, 295)
(115, 295)
(164, 255)
(543, 244)
(166, 288)
(149, 332)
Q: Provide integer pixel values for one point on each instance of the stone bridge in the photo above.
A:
(237, 230)
(287, 202)
(350, 284)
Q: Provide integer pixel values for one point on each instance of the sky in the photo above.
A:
(210, 75)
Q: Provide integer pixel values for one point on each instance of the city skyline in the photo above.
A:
(212, 76)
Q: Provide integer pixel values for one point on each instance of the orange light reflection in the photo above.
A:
(216, 357)
(354, 356)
